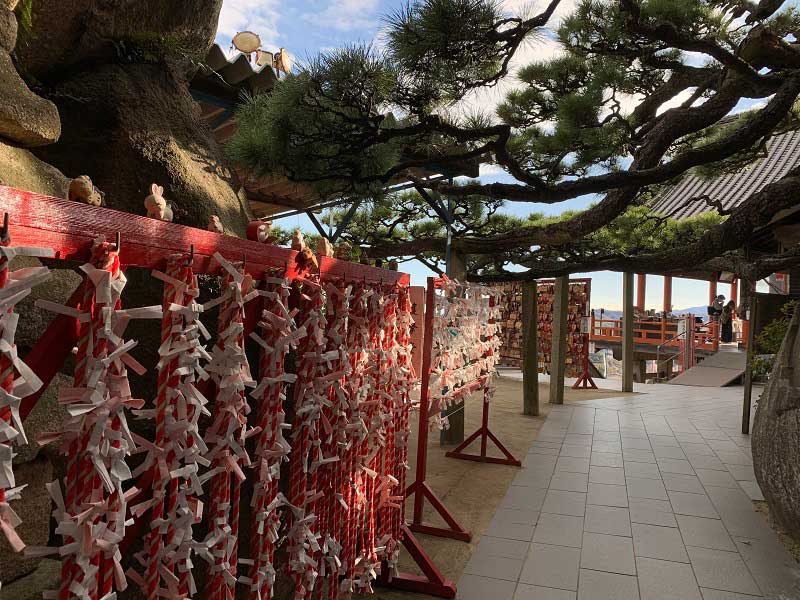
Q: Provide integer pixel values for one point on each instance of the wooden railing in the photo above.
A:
(660, 333)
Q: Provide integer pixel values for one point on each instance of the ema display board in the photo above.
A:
(577, 308)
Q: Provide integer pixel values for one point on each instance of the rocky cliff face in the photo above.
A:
(118, 70)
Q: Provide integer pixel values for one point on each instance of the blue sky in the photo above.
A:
(304, 27)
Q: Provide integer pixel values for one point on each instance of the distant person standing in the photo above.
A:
(715, 310)
(726, 322)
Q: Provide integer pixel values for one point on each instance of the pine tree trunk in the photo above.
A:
(776, 434)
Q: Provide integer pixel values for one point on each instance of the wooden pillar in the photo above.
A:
(530, 351)
(627, 332)
(641, 290)
(454, 434)
(667, 294)
(712, 291)
(559, 344)
(735, 292)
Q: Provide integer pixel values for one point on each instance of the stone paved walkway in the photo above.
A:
(645, 497)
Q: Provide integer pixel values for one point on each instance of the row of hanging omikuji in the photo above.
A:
(345, 450)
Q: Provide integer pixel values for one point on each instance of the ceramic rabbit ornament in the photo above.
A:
(157, 207)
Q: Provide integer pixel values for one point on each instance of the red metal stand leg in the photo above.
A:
(485, 434)
(420, 488)
(432, 581)
(585, 381)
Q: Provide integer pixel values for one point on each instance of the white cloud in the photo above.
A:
(259, 16)
(347, 15)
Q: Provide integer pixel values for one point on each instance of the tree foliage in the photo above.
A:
(639, 93)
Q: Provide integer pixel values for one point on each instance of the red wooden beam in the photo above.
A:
(70, 227)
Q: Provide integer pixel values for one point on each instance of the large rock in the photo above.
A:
(47, 576)
(47, 416)
(25, 118)
(21, 169)
(34, 509)
(8, 29)
(776, 434)
(128, 126)
(73, 31)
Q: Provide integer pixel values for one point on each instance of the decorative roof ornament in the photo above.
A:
(249, 43)
(246, 42)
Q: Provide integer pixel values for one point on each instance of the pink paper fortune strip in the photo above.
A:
(91, 518)
(179, 451)
(278, 335)
(227, 435)
(16, 379)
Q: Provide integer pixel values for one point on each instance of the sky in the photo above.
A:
(306, 27)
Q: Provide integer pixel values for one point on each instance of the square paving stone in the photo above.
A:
(635, 443)
(610, 520)
(523, 498)
(709, 594)
(606, 436)
(596, 585)
(668, 452)
(610, 553)
(700, 461)
(610, 475)
(695, 505)
(705, 533)
(678, 482)
(570, 482)
(572, 464)
(609, 447)
(675, 465)
(535, 592)
(633, 432)
(607, 495)
(497, 567)
(545, 451)
(640, 469)
(663, 580)
(692, 438)
(742, 472)
(633, 455)
(492, 546)
(510, 531)
(664, 440)
(721, 570)
(752, 489)
(646, 488)
(578, 439)
(474, 587)
(664, 543)
(576, 451)
(652, 512)
(606, 459)
(559, 530)
(716, 478)
(551, 566)
(735, 458)
(516, 515)
(697, 449)
(565, 503)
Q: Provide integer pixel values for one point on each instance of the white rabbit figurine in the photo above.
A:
(157, 207)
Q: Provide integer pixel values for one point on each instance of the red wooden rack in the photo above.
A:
(69, 228)
(420, 488)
